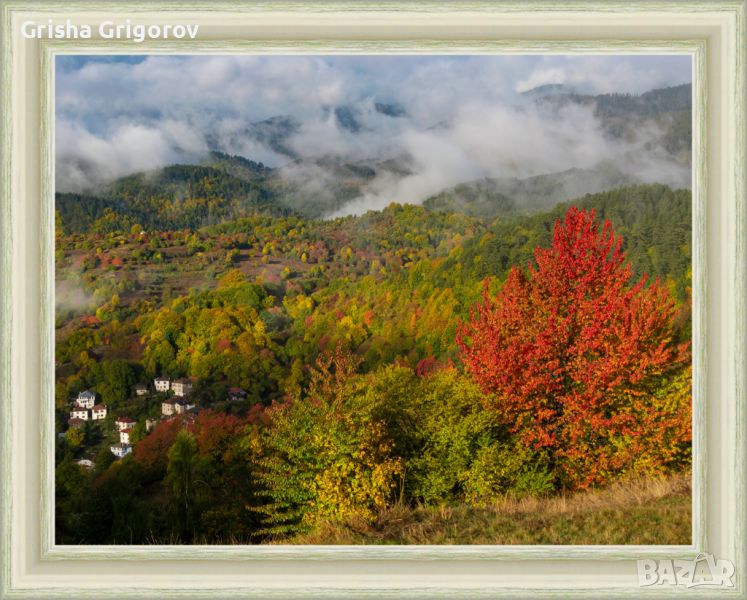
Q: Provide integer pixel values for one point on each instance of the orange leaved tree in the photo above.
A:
(577, 358)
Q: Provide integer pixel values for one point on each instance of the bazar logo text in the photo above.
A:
(703, 570)
(107, 30)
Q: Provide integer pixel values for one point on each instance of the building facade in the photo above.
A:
(124, 423)
(167, 408)
(182, 406)
(120, 450)
(79, 413)
(86, 399)
(98, 412)
(182, 387)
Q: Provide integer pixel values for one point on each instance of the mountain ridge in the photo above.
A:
(222, 186)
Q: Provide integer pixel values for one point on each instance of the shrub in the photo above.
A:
(321, 457)
(509, 469)
(451, 446)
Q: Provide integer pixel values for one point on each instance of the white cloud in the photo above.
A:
(462, 116)
(541, 77)
(602, 74)
(85, 159)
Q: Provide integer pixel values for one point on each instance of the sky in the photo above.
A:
(460, 115)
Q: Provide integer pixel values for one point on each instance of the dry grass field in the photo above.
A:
(647, 512)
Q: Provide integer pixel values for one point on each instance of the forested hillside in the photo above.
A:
(631, 139)
(177, 197)
(343, 337)
(490, 198)
(666, 112)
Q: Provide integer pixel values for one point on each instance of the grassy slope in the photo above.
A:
(634, 512)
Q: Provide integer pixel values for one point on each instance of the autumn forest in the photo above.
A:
(440, 372)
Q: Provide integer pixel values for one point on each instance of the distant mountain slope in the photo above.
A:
(221, 188)
(176, 197)
(316, 188)
(227, 187)
(663, 115)
(490, 198)
(237, 166)
(652, 130)
(548, 89)
(648, 104)
(274, 133)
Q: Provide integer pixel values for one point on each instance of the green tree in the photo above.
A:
(115, 511)
(324, 457)
(71, 489)
(182, 479)
(74, 437)
(115, 380)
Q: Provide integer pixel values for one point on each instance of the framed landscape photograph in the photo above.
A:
(345, 300)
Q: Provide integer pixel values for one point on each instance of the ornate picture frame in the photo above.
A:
(713, 33)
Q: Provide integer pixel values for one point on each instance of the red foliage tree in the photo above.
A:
(216, 434)
(151, 452)
(574, 356)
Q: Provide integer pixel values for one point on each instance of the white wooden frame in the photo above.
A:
(32, 566)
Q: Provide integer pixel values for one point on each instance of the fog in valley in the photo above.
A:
(401, 129)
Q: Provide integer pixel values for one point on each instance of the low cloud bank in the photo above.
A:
(447, 120)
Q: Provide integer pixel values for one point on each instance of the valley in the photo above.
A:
(312, 364)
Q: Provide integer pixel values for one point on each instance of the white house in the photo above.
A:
(167, 407)
(85, 463)
(98, 412)
(125, 436)
(141, 389)
(120, 450)
(86, 399)
(181, 387)
(182, 406)
(79, 413)
(124, 423)
(162, 384)
(150, 424)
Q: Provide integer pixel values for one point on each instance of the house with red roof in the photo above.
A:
(124, 423)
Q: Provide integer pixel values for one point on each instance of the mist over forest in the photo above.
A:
(341, 137)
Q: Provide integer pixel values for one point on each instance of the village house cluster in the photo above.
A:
(178, 404)
(85, 408)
